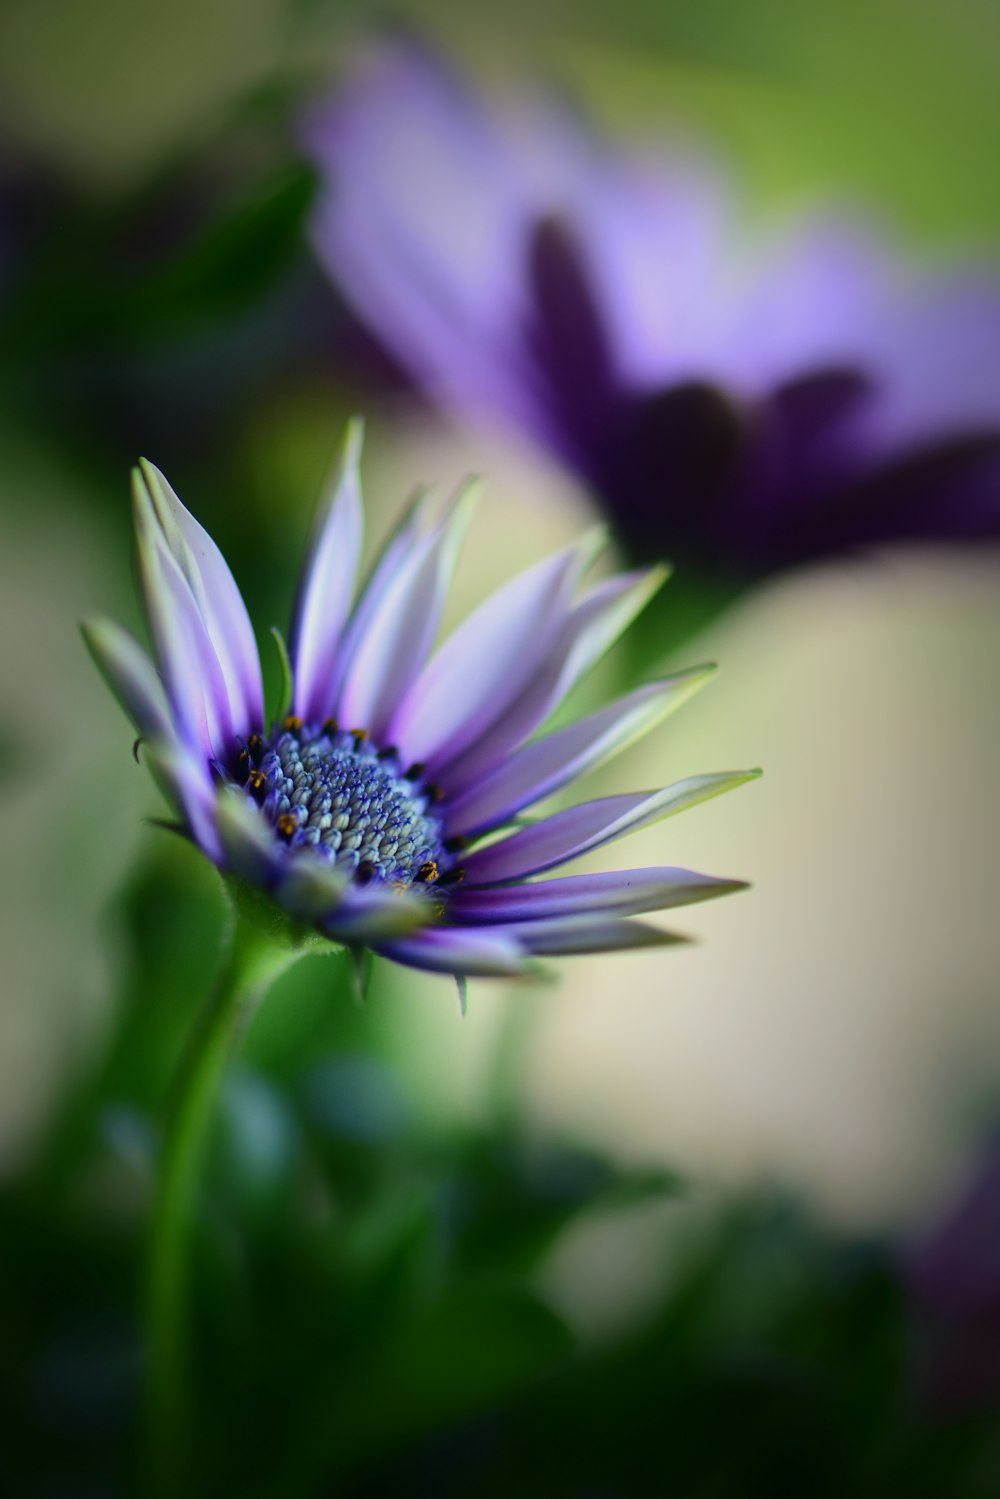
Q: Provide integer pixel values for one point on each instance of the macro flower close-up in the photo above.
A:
(736, 397)
(369, 808)
(389, 1104)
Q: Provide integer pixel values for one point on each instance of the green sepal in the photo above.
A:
(360, 971)
(260, 910)
(284, 698)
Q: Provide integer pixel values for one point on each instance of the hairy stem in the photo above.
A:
(251, 963)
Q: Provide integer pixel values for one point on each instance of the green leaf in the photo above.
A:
(472, 1350)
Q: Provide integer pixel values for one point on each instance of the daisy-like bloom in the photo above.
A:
(382, 807)
(736, 402)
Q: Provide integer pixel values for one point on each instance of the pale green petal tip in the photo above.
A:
(591, 544)
(654, 936)
(681, 686)
(97, 631)
(346, 473)
(149, 485)
(353, 444)
(697, 675)
(146, 472)
(657, 575)
(127, 671)
(142, 503)
(740, 778)
(465, 502)
(156, 528)
(727, 778)
(99, 637)
(646, 587)
(419, 507)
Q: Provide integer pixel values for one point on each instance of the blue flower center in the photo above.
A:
(336, 793)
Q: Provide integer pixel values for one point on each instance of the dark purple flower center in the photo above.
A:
(337, 793)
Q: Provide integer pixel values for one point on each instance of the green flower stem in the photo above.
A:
(252, 961)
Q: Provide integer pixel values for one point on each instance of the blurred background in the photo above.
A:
(598, 1224)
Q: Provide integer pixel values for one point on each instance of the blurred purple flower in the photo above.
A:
(743, 405)
(954, 1277)
(360, 811)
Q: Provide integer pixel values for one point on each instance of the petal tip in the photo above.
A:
(155, 488)
(591, 544)
(353, 442)
(468, 494)
(91, 627)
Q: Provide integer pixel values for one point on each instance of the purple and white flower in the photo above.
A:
(736, 401)
(382, 808)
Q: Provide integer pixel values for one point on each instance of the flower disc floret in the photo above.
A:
(337, 794)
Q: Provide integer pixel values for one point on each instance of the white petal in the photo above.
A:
(217, 597)
(486, 662)
(591, 628)
(403, 625)
(328, 586)
(187, 660)
(404, 537)
(540, 768)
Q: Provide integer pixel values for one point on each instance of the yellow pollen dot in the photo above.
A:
(428, 872)
(286, 825)
(292, 723)
(258, 780)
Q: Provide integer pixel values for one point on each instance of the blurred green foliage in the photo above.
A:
(362, 1280)
(366, 1306)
